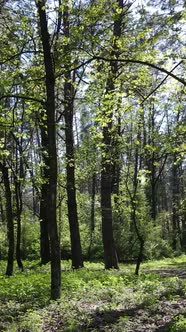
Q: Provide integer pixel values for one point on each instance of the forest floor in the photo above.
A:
(96, 300)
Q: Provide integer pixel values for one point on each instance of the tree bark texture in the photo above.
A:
(110, 255)
(77, 259)
(19, 204)
(18, 177)
(175, 204)
(9, 217)
(43, 215)
(52, 154)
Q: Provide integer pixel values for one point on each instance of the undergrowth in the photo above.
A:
(92, 298)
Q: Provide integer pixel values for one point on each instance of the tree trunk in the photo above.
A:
(184, 231)
(9, 217)
(153, 191)
(77, 259)
(92, 214)
(175, 204)
(43, 215)
(140, 257)
(44, 234)
(18, 177)
(19, 204)
(52, 154)
(110, 255)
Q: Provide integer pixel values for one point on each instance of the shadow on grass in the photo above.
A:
(179, 272)
(143, 321)
(102, 318)
(172, 270)
(170, 326)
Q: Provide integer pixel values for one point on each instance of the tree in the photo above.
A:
(51, 152)
(69, 94)
(9, 216)
(110, 255)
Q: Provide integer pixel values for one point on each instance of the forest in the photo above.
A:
(92, 165)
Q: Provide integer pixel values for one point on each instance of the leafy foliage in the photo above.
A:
(91, 297)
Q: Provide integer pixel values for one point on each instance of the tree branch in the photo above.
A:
(158, 86)
(24, 97)
(18, 55)
(145, 63)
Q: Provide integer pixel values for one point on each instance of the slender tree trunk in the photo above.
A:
(92, 213)
(93, 194)
(140, 256)
(175, 204)
(134, 207)
(9, 217)
(18, 177)
(117, 156)
(44, 233)
(134, 195)
(52, 154)
(110, 255)
(19, 205)
(153, 191)
(43, 215)
(77, 259)
(184, 231)
(2, 212)
(35, 196)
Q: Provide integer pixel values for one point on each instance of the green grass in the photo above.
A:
(92, 298)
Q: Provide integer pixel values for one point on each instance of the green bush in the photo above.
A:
(3, 242)
(30, 243)
(179, 324)
(156, 247)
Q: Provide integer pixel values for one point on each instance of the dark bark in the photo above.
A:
(175, 204)
(2, 212)
(35, 190)
(93, 194)
(183, 242)
(110, 255)
(43, 215)
(153, 192)
(9, 217)
(150, 162)
(18, 177)
(116, 162)
(135, 226)
(92, 214)
(134, 208)
(77, 259)
(18, 196)
(140, 256)
(52, 155)
(44, 234)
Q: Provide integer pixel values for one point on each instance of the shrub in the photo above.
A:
(30, 236)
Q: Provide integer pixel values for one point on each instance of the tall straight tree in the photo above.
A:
(110, 255)
(9, 217)
(18, 178)
(43, 215)
(51, 152)
(77, 260)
